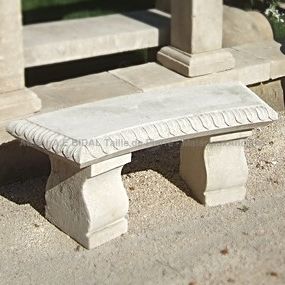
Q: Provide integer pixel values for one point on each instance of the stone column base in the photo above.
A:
(90, 204)
(193, 65)
(215, 168)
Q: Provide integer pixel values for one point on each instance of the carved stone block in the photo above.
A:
(215, 168)
(89, 204)
(196, 39)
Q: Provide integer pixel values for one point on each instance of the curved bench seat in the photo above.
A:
(89, 144)
(90, 133)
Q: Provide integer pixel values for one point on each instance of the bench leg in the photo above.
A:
(215, 168)
(90, 204)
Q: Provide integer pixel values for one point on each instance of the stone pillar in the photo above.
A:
(89, 204)
(11, 49)
(215, 168)
(196, 39)
(15, 99)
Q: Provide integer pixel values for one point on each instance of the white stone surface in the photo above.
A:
(11, 46)
(215, 168)
(129, 123)
(55, 42)
(91, 204)
(193, 65)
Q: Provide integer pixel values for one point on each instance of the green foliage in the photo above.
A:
(252, 4)
(36, 4)
(35, 11)
(50, 10)
(278, 30)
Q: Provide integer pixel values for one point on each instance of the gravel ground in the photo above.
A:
(171, 240)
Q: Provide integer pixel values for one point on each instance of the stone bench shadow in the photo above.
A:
(163, 160)
(22, 163)
(30, 192)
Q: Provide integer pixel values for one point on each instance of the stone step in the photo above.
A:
(249, 70)
(16, 104)
(61, 41)
(81, 90)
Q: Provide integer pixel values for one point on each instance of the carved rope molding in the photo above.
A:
(135, 137)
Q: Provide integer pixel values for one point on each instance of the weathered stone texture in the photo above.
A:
(62, 41)
(215, 168)
(17, 104)
(197, 26)
(81, 90)
(269, 50)
(90, 204)
(241, 27)
(11, 49)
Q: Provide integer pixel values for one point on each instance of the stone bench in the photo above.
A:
(89, 144)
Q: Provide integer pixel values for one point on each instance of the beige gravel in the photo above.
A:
(171, 240)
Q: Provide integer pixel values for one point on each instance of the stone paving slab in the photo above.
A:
(268, 50)
(61, 41)
(249, 70)
(14, 105)
(82, 90)
(17, 104)
(149, 76)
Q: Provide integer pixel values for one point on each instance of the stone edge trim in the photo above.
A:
(82, 153)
